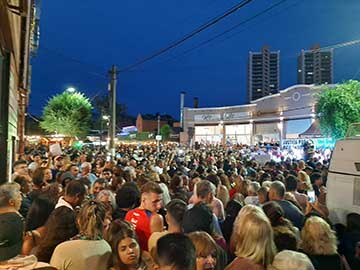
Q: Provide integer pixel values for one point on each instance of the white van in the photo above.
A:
(343, 185)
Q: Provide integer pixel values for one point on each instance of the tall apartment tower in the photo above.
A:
(315, 66)
(263, 73)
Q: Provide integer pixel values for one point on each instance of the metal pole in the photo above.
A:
(112, 128)
(158, 133)
(182, 101)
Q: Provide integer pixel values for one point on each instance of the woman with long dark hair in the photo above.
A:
(126, 252)
(36, 218)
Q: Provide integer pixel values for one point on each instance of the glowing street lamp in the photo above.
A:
(70, 90)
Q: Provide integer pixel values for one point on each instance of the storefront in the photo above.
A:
(272, 119)
(267, 132)
(209, 134)
(238, 134)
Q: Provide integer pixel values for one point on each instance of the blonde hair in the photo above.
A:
(317, 238)
(302, 165)
(253, 236)
(204, 244)
(90, 220)
(304, 177)
(223, 194)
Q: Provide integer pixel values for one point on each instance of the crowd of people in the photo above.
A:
(210, 208)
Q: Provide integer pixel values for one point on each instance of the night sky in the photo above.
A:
(80, 40)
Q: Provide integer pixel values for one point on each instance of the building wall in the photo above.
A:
(268, 117)
(14, 53)
(151, 125)
(148, 125)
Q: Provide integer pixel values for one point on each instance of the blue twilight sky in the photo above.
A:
(81, 39)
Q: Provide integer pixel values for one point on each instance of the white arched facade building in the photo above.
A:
(273, 118)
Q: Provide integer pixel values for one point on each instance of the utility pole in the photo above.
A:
(112, 98)
(158, 133)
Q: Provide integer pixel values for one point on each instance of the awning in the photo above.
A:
(313, 131)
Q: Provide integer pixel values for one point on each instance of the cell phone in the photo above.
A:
(311, 195)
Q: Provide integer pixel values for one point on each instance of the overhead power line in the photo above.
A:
(201, 28)
(341, 45)
(205, 42)
(80, 62)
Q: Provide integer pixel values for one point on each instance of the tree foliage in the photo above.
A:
(165, 131)
(338, 107)
(68, 114)
(101, 108)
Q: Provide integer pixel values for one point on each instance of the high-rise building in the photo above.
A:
(263, 73)
(315, 66)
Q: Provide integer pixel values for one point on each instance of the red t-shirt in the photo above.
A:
(232, 192)
(140, 219)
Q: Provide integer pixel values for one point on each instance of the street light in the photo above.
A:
(70, 90)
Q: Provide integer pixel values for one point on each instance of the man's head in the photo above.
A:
(65, 178)
(253, 188)
(205, 191)
(198, 218)
(175, 212)
(151, 196)
(160, 163)
(10, 196)
(75, 192)
(85, 168)
(25, 186)
(20, 167)
(107, 173)
(309, 170)
(74, 170)
(58, 161)
(262, 194)
(291, 183)
(133, 163)
(36, 157)
(11, 236)
(316, 179)
(175, 251)
(98, 186)
(277, 191)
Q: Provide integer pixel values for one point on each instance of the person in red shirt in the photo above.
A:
(237, 187)
(145, 218)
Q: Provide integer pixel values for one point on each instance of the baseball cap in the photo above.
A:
(66, 175)
(11, 235)
(58, 157)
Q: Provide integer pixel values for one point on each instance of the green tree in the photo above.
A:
(68, 114)
(338, 107)
(101, 108)
(165, 131)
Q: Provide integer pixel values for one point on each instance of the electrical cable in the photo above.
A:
(188, 36)
(73, 59)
